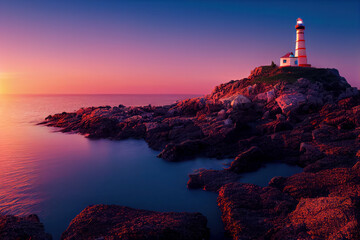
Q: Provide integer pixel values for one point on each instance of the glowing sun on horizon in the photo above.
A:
(3, 79)
(1, 83)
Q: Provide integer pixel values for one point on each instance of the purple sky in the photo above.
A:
(89, 46)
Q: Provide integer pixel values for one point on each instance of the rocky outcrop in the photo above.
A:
(248, 160)
(330, 182)
(322, 205)
(291, 102)
(304, 116)
(22, 228)
(250, 212)
(117, 222)
(328, 204)
(326, 218)
(270, 100)
(241, 102)
(211, 180)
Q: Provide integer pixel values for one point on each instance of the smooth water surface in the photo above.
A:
(56, 175)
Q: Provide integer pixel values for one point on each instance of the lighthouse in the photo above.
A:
(300, 49)
(300, 58)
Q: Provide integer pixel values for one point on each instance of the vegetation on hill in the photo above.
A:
(270, 75)
(330, 78)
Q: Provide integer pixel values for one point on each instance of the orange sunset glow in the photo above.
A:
(76, 49)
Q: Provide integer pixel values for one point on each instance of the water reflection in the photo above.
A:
(57, 175)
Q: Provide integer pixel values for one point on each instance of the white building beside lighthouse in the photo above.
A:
(300, 58)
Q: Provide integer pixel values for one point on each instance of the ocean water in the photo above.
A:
(56, 175)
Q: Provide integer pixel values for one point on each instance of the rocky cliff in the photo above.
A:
(304, 116)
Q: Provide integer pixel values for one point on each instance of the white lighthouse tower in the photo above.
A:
(300, 49)
(300, 58)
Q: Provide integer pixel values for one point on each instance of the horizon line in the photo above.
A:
(44, 94)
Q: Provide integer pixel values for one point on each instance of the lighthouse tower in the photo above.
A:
(300, 50)
(300, 58)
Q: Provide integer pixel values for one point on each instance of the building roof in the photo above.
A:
(288, 55)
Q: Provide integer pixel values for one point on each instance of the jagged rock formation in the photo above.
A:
(116, 222)
(22, 228)
(304, 116)
(250, 212)
(270, 100)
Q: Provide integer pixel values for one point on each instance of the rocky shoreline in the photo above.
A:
(112, 222)
(308, 117)
(116, 222)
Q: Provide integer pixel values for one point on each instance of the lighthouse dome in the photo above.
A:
(299, 24)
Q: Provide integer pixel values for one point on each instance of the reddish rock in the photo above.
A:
(309, 154)
(327, 218)
(116, 222)
(331, 182)
(320, 132)
(22, 228)
(274, 126)
(211, 121)
(250, 212)
(211, 180)
(291, 102)
(249, 160)
(241, 102)
(183, 151)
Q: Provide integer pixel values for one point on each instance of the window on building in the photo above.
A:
(284, 61)
(296, 63)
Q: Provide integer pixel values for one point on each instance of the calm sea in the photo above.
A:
(56, 175)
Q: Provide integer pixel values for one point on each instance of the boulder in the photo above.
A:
(241, 102)
(117, 222)
(291, 102)
(22, 228)
(266, 96)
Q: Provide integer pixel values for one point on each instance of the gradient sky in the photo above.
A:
(93, 46)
